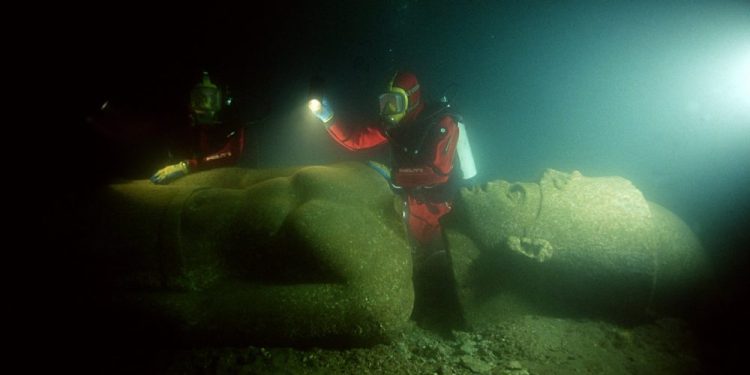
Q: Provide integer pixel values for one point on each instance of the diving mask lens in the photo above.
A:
(392, 103)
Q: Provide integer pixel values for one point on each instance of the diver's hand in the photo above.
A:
(321, 109)
(170, 173)
(381, 168)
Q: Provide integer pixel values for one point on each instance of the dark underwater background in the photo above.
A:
(655, 92)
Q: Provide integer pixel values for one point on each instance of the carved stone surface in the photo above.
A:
(576, 243)
(281, 256)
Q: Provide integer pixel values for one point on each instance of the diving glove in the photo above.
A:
(381, 168)
(170, 173)
(321, 109)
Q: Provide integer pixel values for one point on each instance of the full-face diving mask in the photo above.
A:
(205, 101)
(393, 105)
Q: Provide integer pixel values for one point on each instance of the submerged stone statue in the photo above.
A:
(309, 255)
(317, 255)
(581, 244)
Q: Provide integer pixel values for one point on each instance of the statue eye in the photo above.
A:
(517, 193)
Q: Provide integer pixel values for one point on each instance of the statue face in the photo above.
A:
(563, 209)
(498, 209)
(603, 246)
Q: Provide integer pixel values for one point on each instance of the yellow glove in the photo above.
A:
(170, 173)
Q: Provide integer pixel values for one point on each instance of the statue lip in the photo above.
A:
(538, 249)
